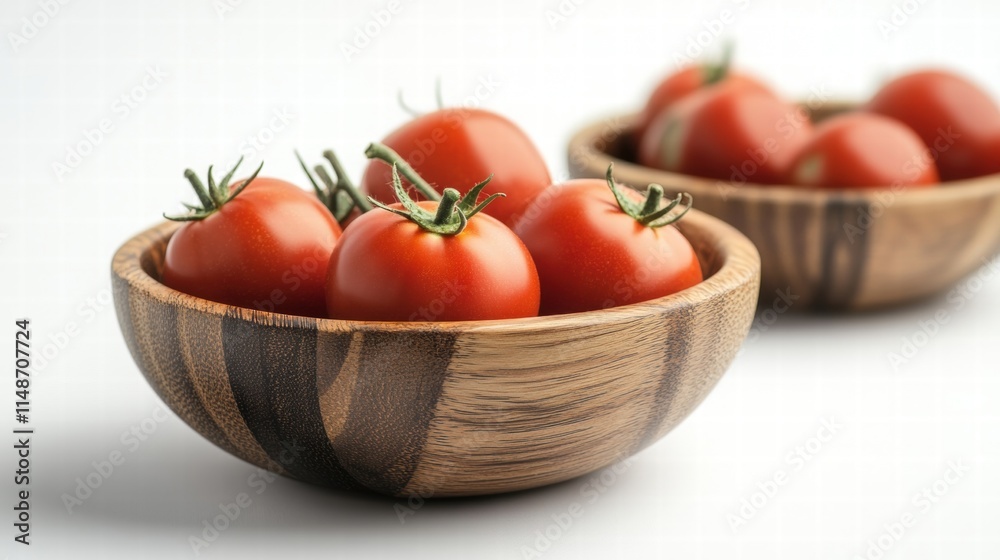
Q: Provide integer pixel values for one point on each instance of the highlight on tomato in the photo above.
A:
(460, 146)
(260, 243)
(728, 133)
(857, 150)
(442, 260)
(597, 246)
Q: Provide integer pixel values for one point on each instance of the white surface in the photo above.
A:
(224, 78)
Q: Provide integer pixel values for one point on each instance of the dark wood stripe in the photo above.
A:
(398, 386)
(157, 350)
(843, 261)
(272, 372)
(676, 339)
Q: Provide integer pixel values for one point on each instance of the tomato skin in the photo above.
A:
(684, 82)
(727, 133)
(386, 268)
(859, 150)
(459, 147)
(954, 117)
(591, 255)
(268, 248)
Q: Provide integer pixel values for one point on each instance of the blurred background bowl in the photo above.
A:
(835, 249)
(439, 409)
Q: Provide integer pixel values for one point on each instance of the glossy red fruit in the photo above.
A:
(954, 117)
(727, 133)
(858, 150)
(429, 265)
(592, 254)
(267, 247)
(457, 148)
(686, 81)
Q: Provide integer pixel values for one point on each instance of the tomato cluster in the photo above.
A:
(409, 246)
(917, 130)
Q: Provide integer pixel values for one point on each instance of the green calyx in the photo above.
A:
(340, 196)
(717, 71)
(453, 210)
(648, 212)
(215, 196)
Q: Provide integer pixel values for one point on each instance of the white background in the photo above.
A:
(224, 78)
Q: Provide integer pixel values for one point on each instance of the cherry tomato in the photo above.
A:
(729, 133)
(687, 81)
(411, 261)
(594, 251)
(458, 147)
(264, 244)
(954, 117)
(863, 150)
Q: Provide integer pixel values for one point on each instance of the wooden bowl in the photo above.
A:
(824, 248)
(437, 409)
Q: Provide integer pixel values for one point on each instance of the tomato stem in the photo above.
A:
(215, 196)
(382, 152)
(445, 209)
(453, 210)
(649, 212)
(341, 197)
(715, 72)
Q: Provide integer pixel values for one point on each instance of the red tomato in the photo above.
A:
(687, 81)
(729, 133)
(591, 254)
(863, 150)
(954, 117)
(458, 148)
(388, 267)
(267, 247)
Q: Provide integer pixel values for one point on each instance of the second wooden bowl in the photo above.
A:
(438, 409)
(828, 249)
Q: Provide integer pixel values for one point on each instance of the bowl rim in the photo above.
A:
(739, 265)
(583, 144)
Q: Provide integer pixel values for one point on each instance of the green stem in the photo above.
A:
(445, 209)
(344, 182)
(649, 214)
(382, 152)
(717, 71)
(654, 194)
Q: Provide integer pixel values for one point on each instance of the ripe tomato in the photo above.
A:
(458, 147)
(863, 150)
(594, 247)
(954, 117)
(729, 133)
(687, 81)
(430, 261)
(264, 244)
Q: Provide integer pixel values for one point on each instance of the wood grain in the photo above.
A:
(438, 409)
(829, 248)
